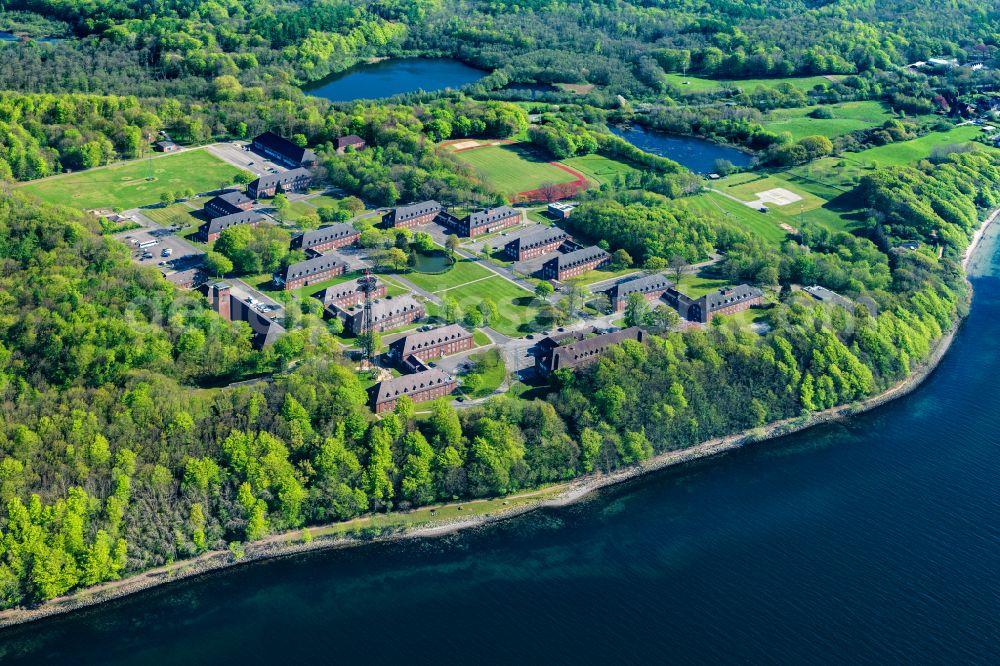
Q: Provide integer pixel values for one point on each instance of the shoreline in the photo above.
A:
(291, 543)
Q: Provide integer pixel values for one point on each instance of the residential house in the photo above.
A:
(352, 141)
(572, 264)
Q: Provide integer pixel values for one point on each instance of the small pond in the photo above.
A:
(432, 262)
(698, 155)
(394, 77)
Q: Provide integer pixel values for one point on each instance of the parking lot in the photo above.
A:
(180, 254)
(244, 159)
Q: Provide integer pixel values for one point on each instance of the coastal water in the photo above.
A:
(875, 540)
(696, 154)
(394, 77)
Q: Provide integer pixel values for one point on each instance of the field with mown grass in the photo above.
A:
(126, 186)
(511, 169)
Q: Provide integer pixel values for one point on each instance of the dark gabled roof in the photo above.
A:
(577, 257)
(325, 234)
(540, 237)
(166, 144)
(343, 290)
(584, 350)
(387, 308)
(309, 267)
(729, 295)
(223, 222)
(491, 215)
(415, 342)
(229, 201)
(285, 148)
(349, 140)
(392, 389)
(404, 213)
(269, 180)
(641, 285)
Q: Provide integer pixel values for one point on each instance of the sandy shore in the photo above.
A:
(291, 543)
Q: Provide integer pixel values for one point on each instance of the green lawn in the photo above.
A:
(489, 380)
(847, 117)
(178, 213)
(907, 152)
(461, 273)
(324, 201)
(598, 168)
(599, 275)
(810, 207)
(126, 186)
(699, 85)
(480, 338)
(512, 169)
(743, 216)
(696, 286)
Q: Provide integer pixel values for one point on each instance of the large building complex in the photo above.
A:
(652, 287)
(270, 184)
(572, 264)
(310, 271)
(419, 387)
(413, 215)
(574, 350)
(280, 149)
(535, 243)
(326, 238)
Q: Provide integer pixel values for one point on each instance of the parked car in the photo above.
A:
(167, 251)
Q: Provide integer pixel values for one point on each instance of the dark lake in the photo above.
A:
(394, 77)
(872, 541)
(698, 155)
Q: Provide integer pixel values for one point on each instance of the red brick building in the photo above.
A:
(387, 313)
(535, 244)
(308, 272)
(280, 149)
(220, 297)
(269, 184)
(326, 238)
(569, 353)
(652, 287)
(420, 387)
(728, 300)
(347, 295)
(482, 222)
(352, 141)
(572, 264)
(437, 342)
(229, 202)
(209, 231)
(414, 215)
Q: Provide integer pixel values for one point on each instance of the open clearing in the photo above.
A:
(460, 273)
(698, 85)
(599, 169)
(748, 188)
(766, 228)
(125, 186)
(847, 117)
(512, 169)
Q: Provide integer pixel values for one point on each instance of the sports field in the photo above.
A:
(126, 186)
(752, 188)
(743, 216)
(512, 169)
(598, 168)
(847, 117)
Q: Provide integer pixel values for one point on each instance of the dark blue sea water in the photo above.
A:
(394, 77)
(871, 541)
(696, 154)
